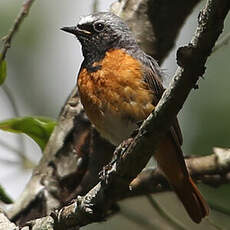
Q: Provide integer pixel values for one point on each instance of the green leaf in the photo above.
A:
(2, 71)
(4, 197)
(38, 128)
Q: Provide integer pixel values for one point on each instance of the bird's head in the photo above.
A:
(100, 32)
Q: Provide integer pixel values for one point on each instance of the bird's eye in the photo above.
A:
(98, 26)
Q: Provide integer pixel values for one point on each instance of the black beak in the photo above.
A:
(71, 29)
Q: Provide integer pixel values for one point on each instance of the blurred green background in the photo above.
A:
(42, 66)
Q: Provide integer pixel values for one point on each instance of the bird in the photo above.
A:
(119, 86)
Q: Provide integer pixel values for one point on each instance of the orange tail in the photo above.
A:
(192, 200)
(170, 159)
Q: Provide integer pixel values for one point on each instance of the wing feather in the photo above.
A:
(153, 78)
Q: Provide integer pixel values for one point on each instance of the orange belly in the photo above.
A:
(115, 97)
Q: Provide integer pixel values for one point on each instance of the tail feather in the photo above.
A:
(193, 201)
(170, 159)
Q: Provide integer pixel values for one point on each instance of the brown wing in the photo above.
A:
(152, 76)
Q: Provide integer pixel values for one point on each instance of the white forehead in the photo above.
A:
(86, 19)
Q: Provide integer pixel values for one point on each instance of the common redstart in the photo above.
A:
(119, 86)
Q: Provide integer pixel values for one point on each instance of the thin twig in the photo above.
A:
(164, 215)
(224, 41)
(18, 21)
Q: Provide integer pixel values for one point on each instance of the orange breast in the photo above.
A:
(116, 90)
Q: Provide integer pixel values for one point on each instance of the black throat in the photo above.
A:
(96, 52)
(92, 55)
